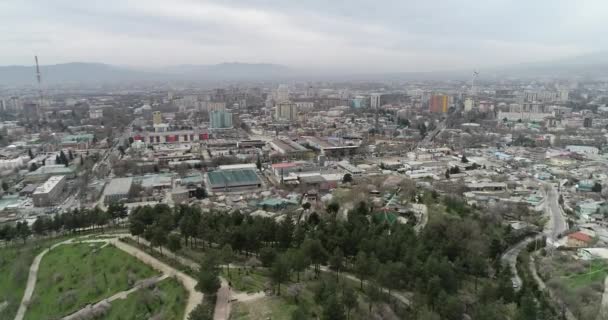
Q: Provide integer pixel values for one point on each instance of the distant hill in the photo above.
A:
(76, 72)
(89, 73)
(591, 66)
(230, 71)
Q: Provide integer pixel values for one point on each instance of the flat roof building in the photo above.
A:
(49, 192)
(233, 180)
(117, 190)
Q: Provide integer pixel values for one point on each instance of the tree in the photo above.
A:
(70, 155)
(63, 158)
(40, 225)
(200, 193)
(347, 178)
(447, 174)
(336, 261)
(33, 167)
(280, 271)
(464, 159)
(4, 186)
(306, 205)
(174, 242)
(23, 230)
(285, 232)
(267, 256)
(117, 210)
(349, 299)
(258, 163)
(30, 153)
(374, 293)
(528, 309)
(299, 314)
(332, 309)
(333, 208)
(159, 238)
(208, 280)
(227, 256)
(299, 261)
(597, 187)
(363, 269)
(315, 250)
(203, 311)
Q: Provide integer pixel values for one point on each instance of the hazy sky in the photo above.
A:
(378, 35)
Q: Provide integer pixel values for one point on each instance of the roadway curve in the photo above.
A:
(555, 226)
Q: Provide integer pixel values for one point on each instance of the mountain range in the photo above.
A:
(592, 66)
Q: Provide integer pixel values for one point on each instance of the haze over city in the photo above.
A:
(353, 36)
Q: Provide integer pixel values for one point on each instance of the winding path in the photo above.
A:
(31, 280)
(189, 283)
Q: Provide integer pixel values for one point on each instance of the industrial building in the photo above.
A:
(117, 190)
(48, 193)
(233, 180)
(287, 147)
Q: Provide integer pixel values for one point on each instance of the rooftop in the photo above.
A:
(118, 186)
(49, 184)
(233, 177)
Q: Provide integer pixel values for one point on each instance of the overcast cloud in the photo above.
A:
(350, 35)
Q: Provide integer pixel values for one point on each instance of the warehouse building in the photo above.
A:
(117, 190)
(233, 180)
(49, 193)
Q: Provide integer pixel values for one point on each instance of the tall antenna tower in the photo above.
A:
(475, 75)
(38, 77)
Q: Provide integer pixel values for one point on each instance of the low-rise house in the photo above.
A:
(578, 240)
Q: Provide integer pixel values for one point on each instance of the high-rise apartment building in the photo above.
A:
(157, 117)
(220, 120)
(286, 111)
(375, 101)
(282, 93)
(438, 103)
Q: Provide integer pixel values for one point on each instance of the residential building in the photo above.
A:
(220, 120)
(438, 103)
(286, 111)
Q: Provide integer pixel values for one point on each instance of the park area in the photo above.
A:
(72, 276)
(165, 300)
(310, 298)
(579, 283)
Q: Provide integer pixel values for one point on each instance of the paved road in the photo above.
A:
(557, 222)
(555, 226)
(510, 258)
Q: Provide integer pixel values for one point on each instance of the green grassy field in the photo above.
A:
(167, 300)
(74, 275)
(15, 262)
(596, 272)
(578, 283)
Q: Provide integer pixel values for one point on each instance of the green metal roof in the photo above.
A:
(233, 177)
